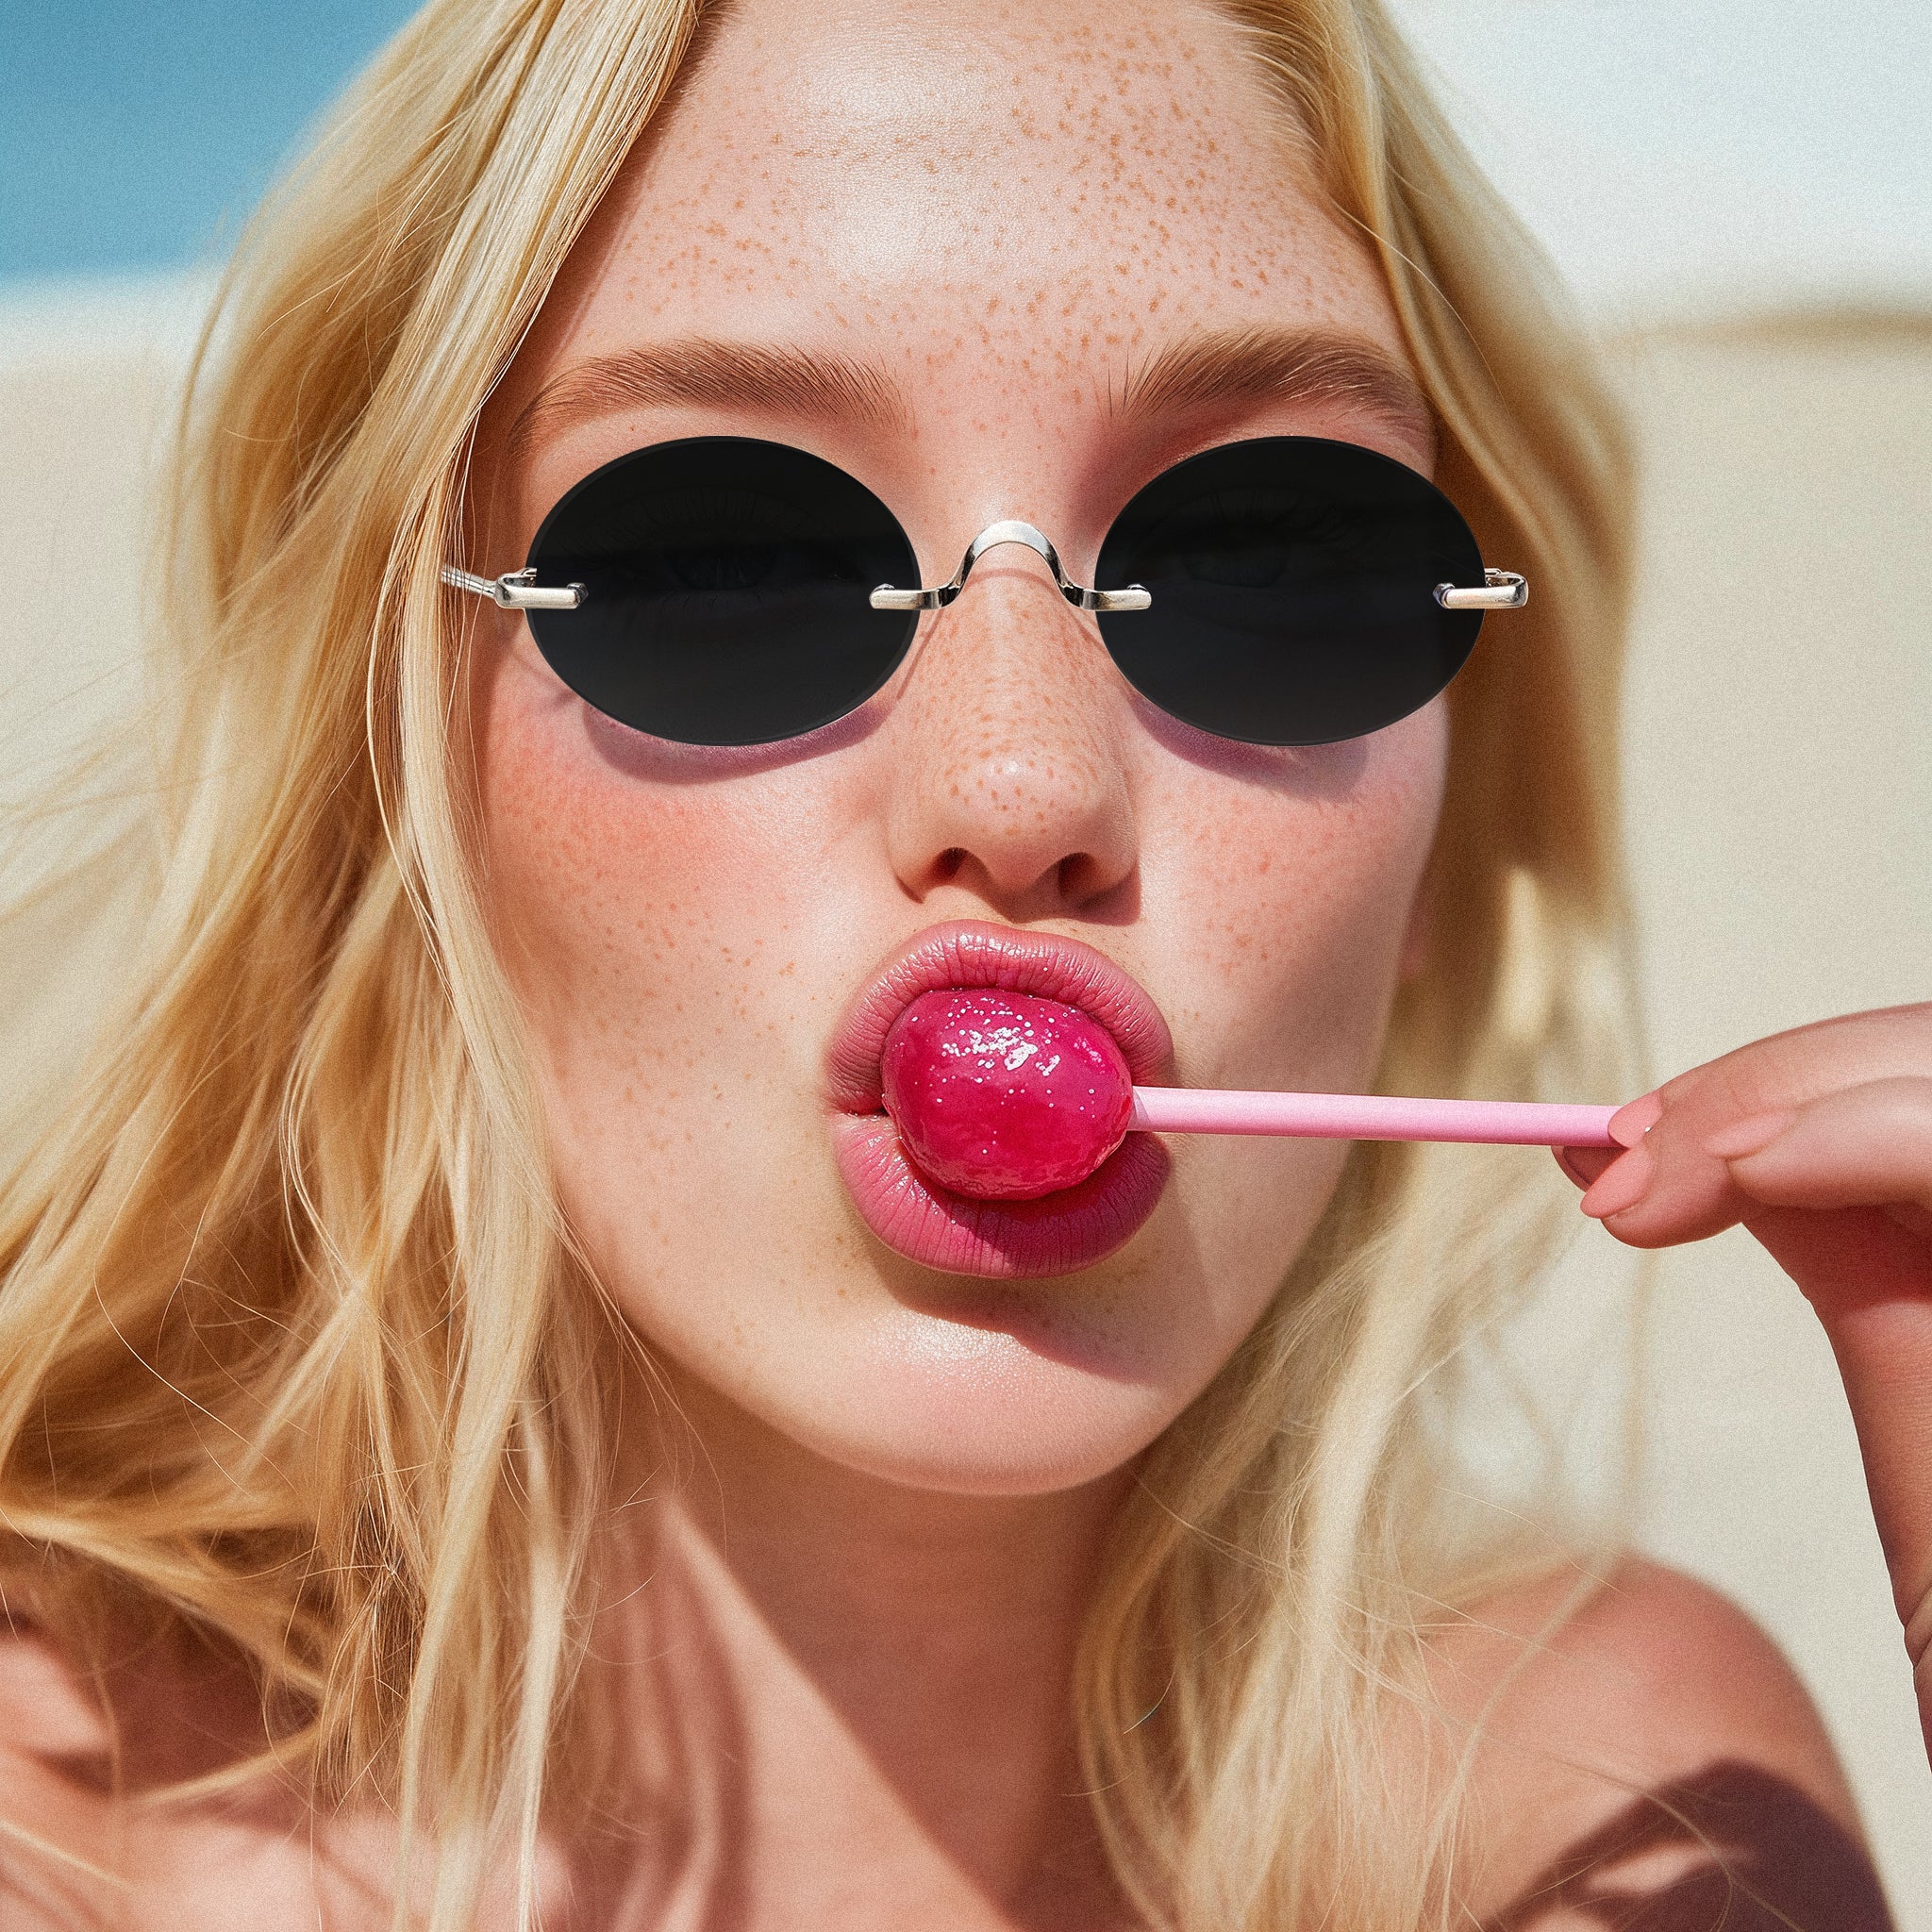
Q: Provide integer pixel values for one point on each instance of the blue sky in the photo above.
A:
(133, 133)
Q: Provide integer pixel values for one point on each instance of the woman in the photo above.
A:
(499, 1429)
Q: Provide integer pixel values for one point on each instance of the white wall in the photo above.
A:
(1701, 158)
(1780, 821)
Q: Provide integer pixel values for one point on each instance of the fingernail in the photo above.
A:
(1629, 1124)
(1574, 1161)
(1751, 1136)
(1620, 1186)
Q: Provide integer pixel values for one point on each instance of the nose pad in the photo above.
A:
(1011, 779)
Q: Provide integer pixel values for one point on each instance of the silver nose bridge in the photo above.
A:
(1133, 597)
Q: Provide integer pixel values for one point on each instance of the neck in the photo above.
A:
(883, 1674)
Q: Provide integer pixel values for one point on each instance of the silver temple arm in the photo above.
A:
(1503, 589)
(887, 597)
(516, 589)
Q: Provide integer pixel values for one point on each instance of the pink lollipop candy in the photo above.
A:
(1003, 1096)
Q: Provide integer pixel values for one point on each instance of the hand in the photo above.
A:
(1819, 1142)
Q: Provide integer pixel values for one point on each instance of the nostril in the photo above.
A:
(950, 860)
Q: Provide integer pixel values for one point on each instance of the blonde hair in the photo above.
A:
(292, 1234)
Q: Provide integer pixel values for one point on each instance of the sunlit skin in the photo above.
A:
(991, 220)
(686, 925)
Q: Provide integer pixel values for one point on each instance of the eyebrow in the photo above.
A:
(1277, 365)
(792, 382)
(1229, 367)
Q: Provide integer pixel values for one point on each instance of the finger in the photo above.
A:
(1845, 1259)
(1871, 1283)
(1788, 1068)
(1864, 1146)
(1699, 1168)
(1667, 1189)
(1678, 1185)
(1584, 1164)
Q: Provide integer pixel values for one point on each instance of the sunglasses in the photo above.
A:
(725, 591)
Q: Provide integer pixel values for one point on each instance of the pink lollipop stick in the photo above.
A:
(1370, 1117)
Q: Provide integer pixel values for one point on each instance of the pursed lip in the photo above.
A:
(1010, 1239)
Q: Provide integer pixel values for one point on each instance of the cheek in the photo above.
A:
(643, 924)
(1294, 899)
(1290, 902)
(594, 892)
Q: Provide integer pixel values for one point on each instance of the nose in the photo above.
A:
(1010, 776)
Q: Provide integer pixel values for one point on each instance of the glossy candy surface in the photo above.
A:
(1003, 1096)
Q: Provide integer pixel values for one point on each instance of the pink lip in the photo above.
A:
(998, 1240)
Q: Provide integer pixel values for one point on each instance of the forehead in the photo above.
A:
(1054, 192)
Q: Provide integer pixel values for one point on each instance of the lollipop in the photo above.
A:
(1003, 1096)
(1007, 1097)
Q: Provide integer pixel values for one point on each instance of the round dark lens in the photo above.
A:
(727, 585)
(1293, 583)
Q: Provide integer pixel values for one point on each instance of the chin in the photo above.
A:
(956, 1406)
(822, 1337)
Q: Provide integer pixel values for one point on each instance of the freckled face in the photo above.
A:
(1002, 214)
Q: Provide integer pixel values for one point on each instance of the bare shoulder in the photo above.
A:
(56, 1755)
(1646, 1674)
(82, 1845)
(1649, 1759)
